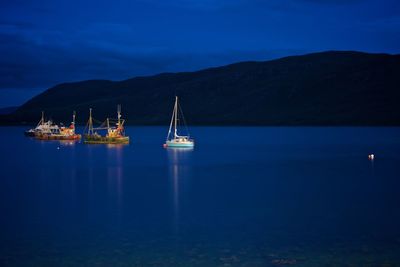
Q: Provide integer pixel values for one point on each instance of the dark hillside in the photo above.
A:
(329, 88)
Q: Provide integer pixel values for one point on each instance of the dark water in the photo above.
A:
(242, 197)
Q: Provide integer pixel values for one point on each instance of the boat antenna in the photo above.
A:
(41, 122)
(90, 121)
(119, 114)
(73, 118)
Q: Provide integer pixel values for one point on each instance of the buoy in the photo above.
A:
(58, 147)
(371, 156)
(164, 145)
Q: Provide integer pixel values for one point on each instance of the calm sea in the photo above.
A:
(250, 196)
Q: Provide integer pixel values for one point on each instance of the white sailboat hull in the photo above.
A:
(178, 143)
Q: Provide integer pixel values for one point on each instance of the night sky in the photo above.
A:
(43, 43)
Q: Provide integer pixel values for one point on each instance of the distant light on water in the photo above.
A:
(371, 156)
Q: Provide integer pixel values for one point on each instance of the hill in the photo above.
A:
(8, 110)
(328, 88)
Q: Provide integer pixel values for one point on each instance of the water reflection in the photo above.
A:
(179, 171)
(90, 168)
(115, 179)
(58, 142)
(68, 142)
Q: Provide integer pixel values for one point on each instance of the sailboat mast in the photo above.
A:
(73, 118)
(170, 125)
(176, 115)
(90, 122)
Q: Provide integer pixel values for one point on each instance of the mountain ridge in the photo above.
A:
(325, 88)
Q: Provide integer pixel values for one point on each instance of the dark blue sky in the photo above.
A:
(43, 43)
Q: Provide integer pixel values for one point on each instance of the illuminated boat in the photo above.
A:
(114, 135)
(42, 127)
(60, 133)
(176, 140)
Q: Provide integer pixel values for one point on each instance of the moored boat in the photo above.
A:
(114, 135)
(61, 133)
(43, 126)
(175, 140)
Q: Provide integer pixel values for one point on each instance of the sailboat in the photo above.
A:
(60, 133)
(115, 135)
(173, 138)
(42, 127)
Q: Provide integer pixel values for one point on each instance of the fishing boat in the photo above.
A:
(114, 135)
(42, 127)
(174, 140)
(61, 133)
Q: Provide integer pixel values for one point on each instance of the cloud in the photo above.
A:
(333, 2)
(200, 5)
(70, 41)
(35, 58)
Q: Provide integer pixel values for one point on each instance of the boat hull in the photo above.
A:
(105, 140)
(172, 144)
(51, 137)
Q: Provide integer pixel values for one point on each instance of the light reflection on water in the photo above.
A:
(298, 193)
(115, 179)
(179, 163)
